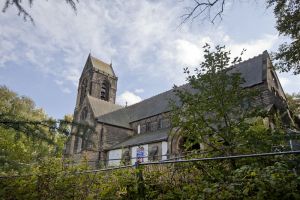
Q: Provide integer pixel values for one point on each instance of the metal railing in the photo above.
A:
(162, 162)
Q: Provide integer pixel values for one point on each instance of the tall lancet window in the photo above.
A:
(83, 89)
(84, 113)
(104, 94)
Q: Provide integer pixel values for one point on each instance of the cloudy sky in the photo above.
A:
(143, 39)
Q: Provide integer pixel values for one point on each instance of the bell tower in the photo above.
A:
(98, 80)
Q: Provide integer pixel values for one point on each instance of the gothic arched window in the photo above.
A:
(84, 113)
(91, 88)
(104, 94)
(83, 88)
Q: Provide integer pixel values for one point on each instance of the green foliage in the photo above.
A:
(26, 135)
(48, 181)
(217, 112)
(268, 178)
(294, 103)
(287, 13)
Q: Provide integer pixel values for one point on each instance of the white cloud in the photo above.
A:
(253, 47)
(141, 37)
(128, 98)
(289, 82)
(188, 53)
(139, 90)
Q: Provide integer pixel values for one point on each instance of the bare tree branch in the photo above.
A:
(206, 8)
(24, 13)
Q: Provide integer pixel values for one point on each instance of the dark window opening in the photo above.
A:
(83, 89)
(148, 126)
(84, 113)
(91, 88)
(160, 124)
(153, 154)
(143, 128)
(126, 157)
(153, 126)
(164, 123)
(87, 144)
(104, 93)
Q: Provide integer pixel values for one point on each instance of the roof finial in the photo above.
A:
(126, 104)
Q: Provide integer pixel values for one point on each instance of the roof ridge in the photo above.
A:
(147, 99)
(254, 57)
(244, 61)
(100, 100)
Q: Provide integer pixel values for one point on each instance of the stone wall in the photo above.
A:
(153, 123)
(112, 135)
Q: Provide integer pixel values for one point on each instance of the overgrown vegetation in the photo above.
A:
(267, 178)
(27, 134)
(221, 116)
(294, 103)
(287, 13)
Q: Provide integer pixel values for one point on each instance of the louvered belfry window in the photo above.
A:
(104, 94)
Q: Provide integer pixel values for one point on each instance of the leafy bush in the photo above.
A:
(263, 179)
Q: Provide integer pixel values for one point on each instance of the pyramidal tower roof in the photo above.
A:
(102, 66)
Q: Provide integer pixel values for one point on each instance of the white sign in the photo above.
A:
(135, 150)
(114, 157)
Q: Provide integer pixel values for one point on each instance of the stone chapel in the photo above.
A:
(121, 134)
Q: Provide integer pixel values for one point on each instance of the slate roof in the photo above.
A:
(102, 66)
(149, 107)
(251, 70)
(145, 138)
(101, 107)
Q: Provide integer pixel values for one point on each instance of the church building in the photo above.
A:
(121, 135)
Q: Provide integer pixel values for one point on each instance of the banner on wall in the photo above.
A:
(140, 153)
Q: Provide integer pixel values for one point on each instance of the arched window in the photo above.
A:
(83, 90)
(78, 144)
(153, 154)
(104, 94)
(84, 113)
(91, 88)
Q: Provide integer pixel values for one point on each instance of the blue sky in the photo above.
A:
(142, 39)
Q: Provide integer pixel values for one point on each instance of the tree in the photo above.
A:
(28, 136)
(294, 103)
(24, 13)
(287, 13)
(26, 133)
(216, 111)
